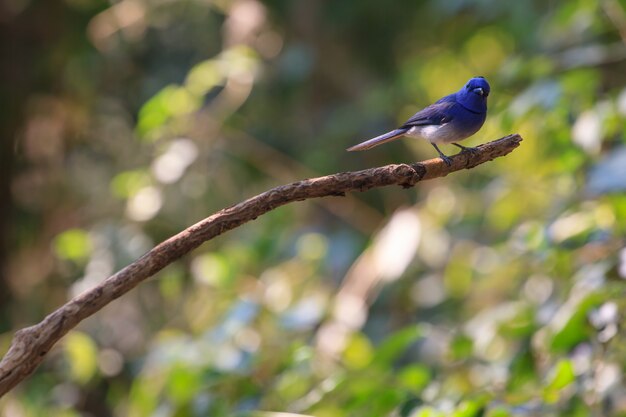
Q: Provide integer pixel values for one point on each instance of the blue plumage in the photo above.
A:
(449, 120)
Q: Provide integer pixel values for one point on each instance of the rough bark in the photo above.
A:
(30, 345)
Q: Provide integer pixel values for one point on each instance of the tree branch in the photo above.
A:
(30, 345)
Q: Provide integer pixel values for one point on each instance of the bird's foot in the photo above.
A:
(446, 159)
(471, 150)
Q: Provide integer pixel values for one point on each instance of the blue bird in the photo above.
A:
(449, 120)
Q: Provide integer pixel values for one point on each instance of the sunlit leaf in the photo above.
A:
(82, 356)
(170, 102)
(359, 352)
(499, 412)
(203, 77)
(182, 384)
(469, 409)
(312, 246)
(414, 377)
(292, 384)
(329, 411)
(562, 375)
(213, 269)
(428, 412)
(128, 183)
(73, 245)
(144, 396)
(458, 277)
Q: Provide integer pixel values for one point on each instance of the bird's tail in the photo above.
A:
(378, 140)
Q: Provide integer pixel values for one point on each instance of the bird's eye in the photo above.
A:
(467, 87)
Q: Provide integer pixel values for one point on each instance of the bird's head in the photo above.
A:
(478, 85)
(474, 95)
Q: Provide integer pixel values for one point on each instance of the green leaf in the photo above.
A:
(471, 408)
(499, 412)
(203, 77)
(577, 328)
(128, 183)
(359, 352)
(461, 347)
(82, 356)
(428, 412)
(170, 102)
(395, 345)
(182, 384)
(414, 377)
(562, 375)
(292, 384)
(213, 269)
(73, 245)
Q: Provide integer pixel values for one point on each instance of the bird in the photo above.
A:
(450, 119)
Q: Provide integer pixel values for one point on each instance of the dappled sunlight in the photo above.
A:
(395, 246)
(245, 19)
(587, 132)
(278, 291)
(170, 167)
(388, 257)
(495, 291)
(128, 17)
(145, 204)
(110, 362)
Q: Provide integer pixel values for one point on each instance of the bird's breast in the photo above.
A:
(464, 125)
(444, 133)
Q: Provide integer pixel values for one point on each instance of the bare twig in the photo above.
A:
(30, 345)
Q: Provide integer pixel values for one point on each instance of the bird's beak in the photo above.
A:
(479, 91)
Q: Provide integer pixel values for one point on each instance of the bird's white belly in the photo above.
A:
(435, 134)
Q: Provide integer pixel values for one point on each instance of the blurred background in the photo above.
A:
(497, 291)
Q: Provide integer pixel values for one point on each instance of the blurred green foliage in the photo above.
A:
(493, 292)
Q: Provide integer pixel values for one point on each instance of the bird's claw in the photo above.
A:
(473, 151)
(465, 149)
(446, 159)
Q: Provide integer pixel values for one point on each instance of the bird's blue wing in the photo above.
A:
(436, 114)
